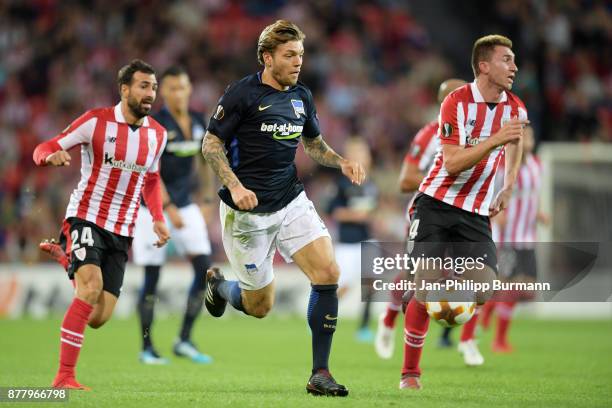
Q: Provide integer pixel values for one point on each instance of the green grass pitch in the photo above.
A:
(265, 363)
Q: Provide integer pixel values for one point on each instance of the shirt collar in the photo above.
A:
(478, 96)
(121, 119)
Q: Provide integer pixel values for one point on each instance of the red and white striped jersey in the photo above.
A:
(422, 151)
(466, 120)
(423, 147)
(521, 214)
(114, 161)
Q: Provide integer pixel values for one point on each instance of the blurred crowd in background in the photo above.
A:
(373, 66)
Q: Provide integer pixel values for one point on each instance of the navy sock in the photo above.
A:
(230, 291)
(322, 319)
(195, 299)
(365, 316)
(446, 333)
(146, 303)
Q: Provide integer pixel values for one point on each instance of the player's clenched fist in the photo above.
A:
(500, 203)
(244, 198)
(59, 158)
(512, 131)
(353, 171)
(163, 234)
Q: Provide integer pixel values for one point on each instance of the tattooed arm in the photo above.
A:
(213, 151)
(319, 151)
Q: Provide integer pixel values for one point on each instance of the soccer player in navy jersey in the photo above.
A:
(352, 208)
(178, 170)
(250, 144)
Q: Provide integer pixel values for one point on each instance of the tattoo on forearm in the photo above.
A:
(320, 152)
(214, 153)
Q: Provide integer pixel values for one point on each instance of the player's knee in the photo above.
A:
(96, 323)
(89, 287)
(90, 292)
(260, 311)
(420, 295)
(258, 307)
(483, 296)
(328, 274)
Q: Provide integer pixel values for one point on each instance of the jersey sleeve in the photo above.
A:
(522, 110)
(154, 168)
(151, 193)
(418, 146)
(450, 129)
(311, 127)
(78, 132)
(227, 114)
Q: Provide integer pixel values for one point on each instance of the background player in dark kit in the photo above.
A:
(178, 169)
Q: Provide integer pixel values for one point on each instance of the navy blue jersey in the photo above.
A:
(176, 164)
(261, 127)
(354, 197)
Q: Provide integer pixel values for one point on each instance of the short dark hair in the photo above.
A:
(483, 48)
(126, 73)
(174, 70)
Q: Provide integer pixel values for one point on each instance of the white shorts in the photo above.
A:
(251, 239)
(192, 239)
(348, 257)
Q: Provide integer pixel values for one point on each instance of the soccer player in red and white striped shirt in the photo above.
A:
(120, 150)
(417, 161)
(516, 227)
(479, 123)
(514, 232)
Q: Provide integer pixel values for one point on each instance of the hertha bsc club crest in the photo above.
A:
(298, 107)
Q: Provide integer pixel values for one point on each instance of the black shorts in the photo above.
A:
(438, 229)
(518, 262)
(88, 244)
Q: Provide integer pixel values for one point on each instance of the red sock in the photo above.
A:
(469, 328)
(397, 294)
(72, 331)
(487, 311)
(395, 305)
(504, 316)
(390, 315)
(415, 329)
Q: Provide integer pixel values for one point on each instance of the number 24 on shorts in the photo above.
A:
(86, 237)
